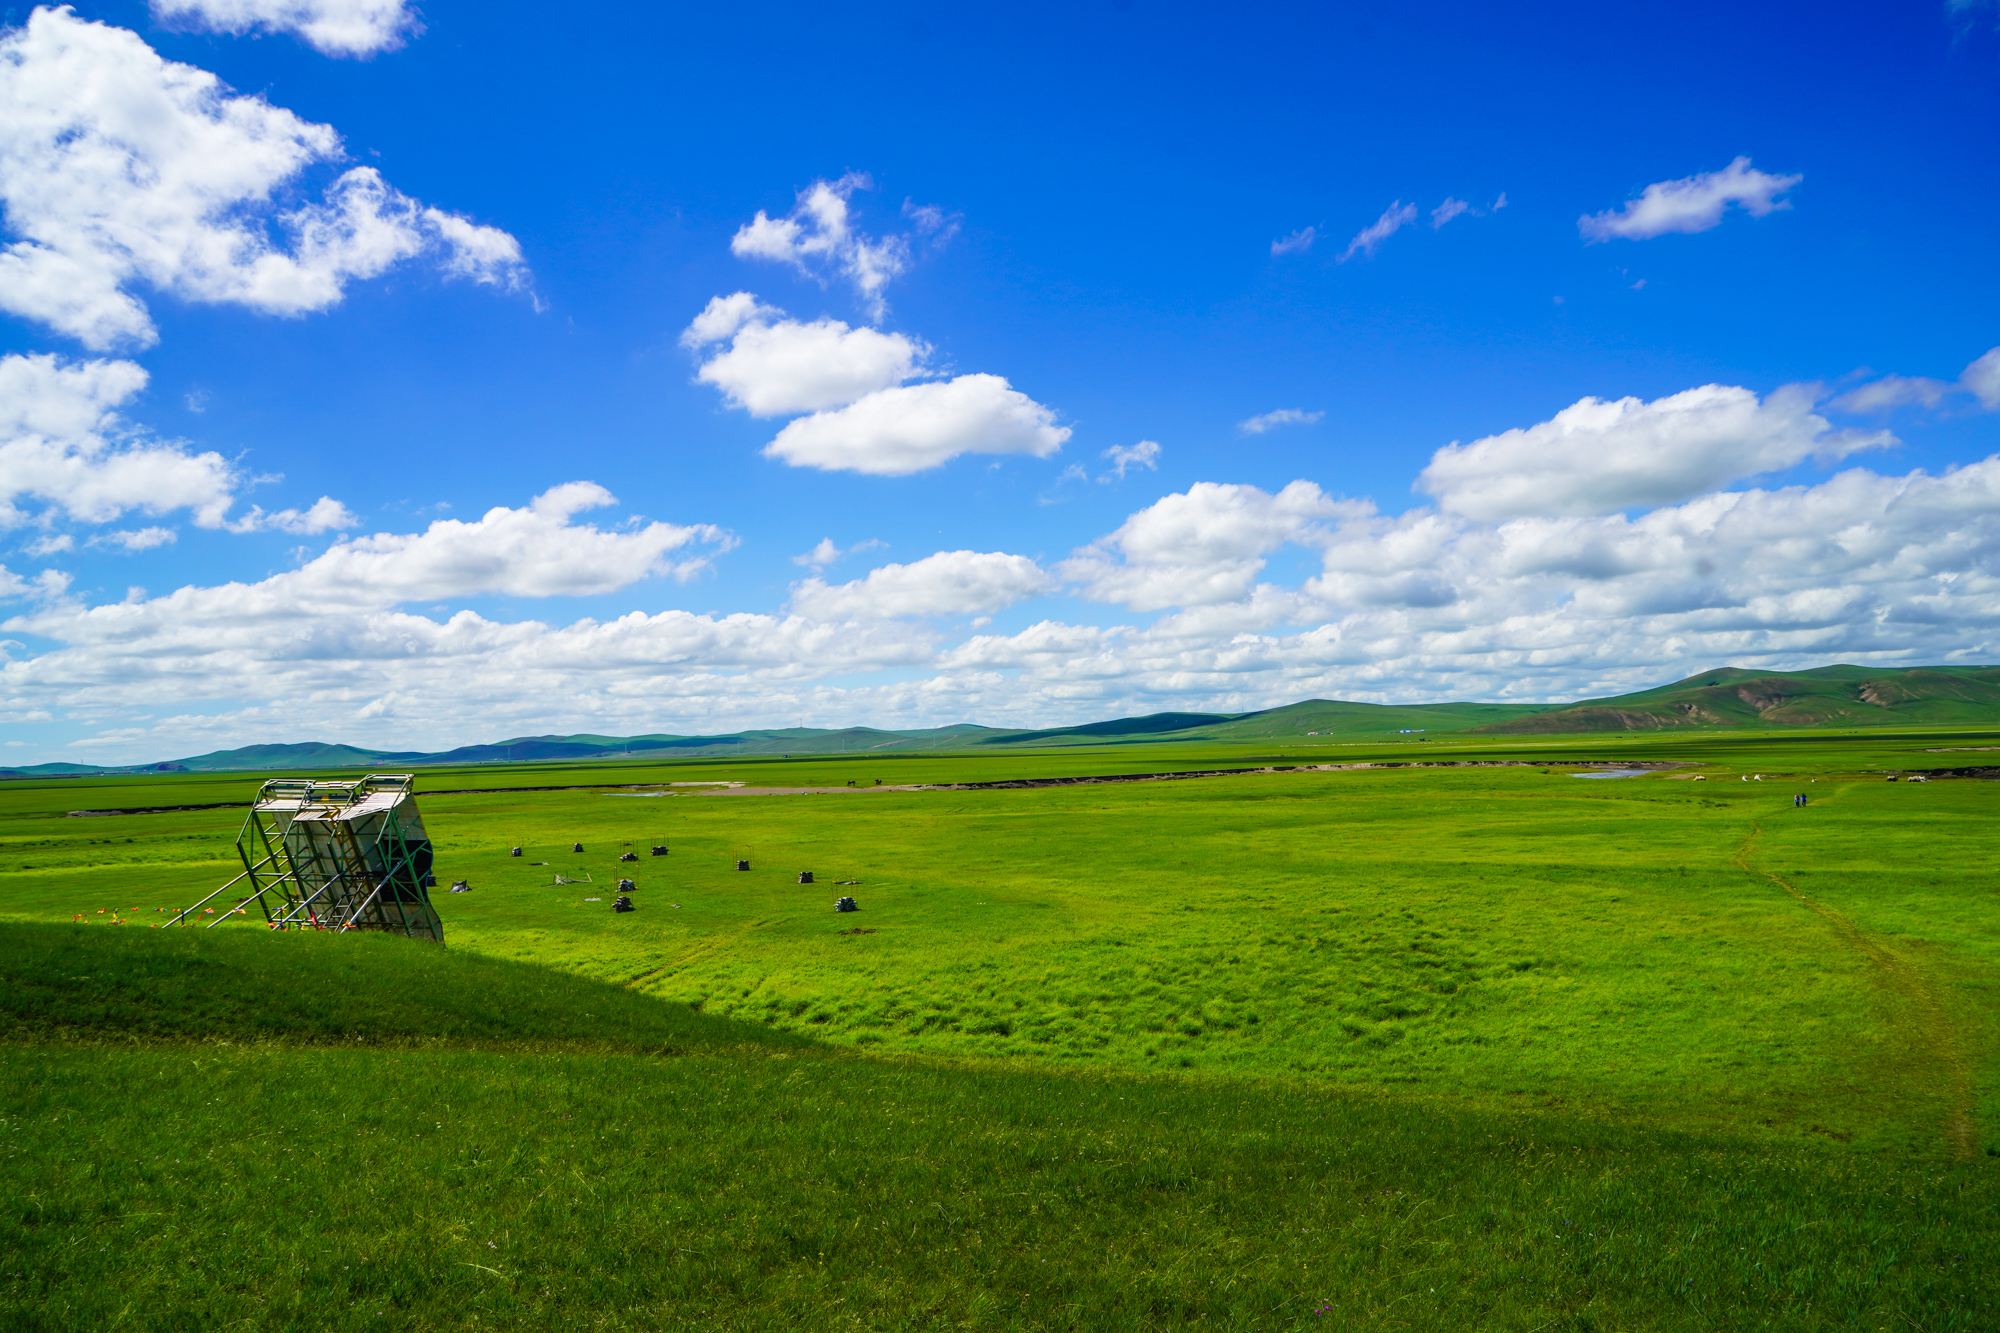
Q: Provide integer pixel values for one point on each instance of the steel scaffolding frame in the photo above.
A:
(337, 880)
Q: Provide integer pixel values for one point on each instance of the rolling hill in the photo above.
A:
(1831, 696)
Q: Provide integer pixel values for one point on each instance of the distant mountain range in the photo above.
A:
(1832, 696)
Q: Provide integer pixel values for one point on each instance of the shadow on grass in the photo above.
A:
(125, 984)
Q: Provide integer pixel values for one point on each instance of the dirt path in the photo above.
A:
(1182, 775)
(998, 784)
(1906, 977)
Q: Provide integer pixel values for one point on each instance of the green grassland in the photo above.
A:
(1461, 1040)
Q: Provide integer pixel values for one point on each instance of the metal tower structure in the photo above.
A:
(334, 855)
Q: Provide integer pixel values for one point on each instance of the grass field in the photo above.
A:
(1428, 1047)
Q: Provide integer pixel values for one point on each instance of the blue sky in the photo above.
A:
(1667, 352)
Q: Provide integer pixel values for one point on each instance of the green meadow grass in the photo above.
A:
(1394, 1048)
(662, 1169)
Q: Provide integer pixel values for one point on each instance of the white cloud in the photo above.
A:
(818, 237)
(1598, 456)
(135, 539)
(723, 316)
(46, 586)
(774, 366)
(334, 27)
(932, 222)
(1284, 416)
(823, 553)
(1691, 204)
(826, 552)
(536, 551)
(121, 170)
(1420, 605)
(1982, 379)
(1394, 218)
(325, 514)
(1893, 391)
(41, 395)
(894, 432)
(1446, 211)
(865, 416)
(478, 253)
(948, 583)
(49, 544)
(1124, 457)
(1295, 243)
(63, 443)
(1204, 545)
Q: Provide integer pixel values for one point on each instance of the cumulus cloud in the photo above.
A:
(51, 543)
(1691, 204)
(818, 237)
(864, 414)
(723, 316)
(324, 515)
(1295, 243)
(1891, 392)
(894, 432)
(63, 443)
(135, 539)
(823, 553)
(773, 366)
(827, 552)
(1982, 379)
(1204, 545)
(334, 27)
(1394, 218)
(945, 584)
(120, 170)
(1426, 604)
(1598, 456)
(534, 551)
(1283, 416)
(45, 586)
(1124, 457)
(476, 252)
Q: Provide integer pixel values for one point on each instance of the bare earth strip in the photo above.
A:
(1182, 775)
(1934, 1031)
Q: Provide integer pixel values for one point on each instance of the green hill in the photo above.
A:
(1333, 718)
(308, 754)
(1338, 718)
(1832, 696)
